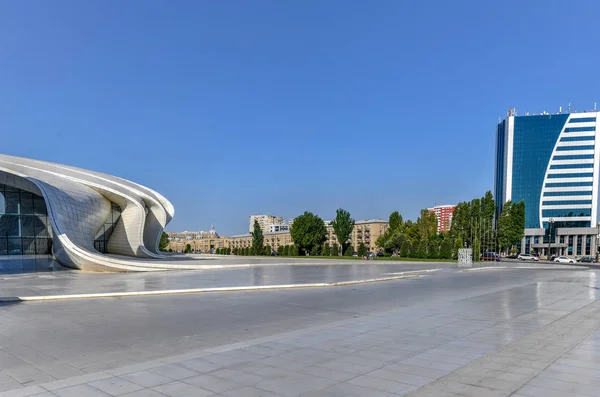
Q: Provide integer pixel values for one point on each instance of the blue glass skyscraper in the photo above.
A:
(551, 161)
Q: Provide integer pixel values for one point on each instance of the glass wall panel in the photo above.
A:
(12, 202)
(9, 226)
(24, 226)
(28, 246)
(14, 246)
(529, 166)
(26, 203)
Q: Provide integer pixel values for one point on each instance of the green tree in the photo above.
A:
(188, 248)
(267, 250)
(258, 240)
(285, 250)
(308, 231)
(395, 222)
(164, 242)
(394, 243)
(427, 224)
(228, 251)
(349, 251)
(362, 249)
(326, 251)
(446, 247)
(405, 249)
(343, 225)
(295, 251)
(505, 227)
(335, 251)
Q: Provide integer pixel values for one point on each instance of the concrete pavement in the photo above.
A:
(480, 333)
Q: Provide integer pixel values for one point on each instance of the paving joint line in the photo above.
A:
(199, 290)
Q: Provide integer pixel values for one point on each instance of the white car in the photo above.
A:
(564, 259)
(527, 257)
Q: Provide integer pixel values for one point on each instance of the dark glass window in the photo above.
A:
(569, 166)
(24, 226)
(580, 129)
(583, 120)
(566, 213)
(103, 235)
(568, 184)
(573, 157)
(579, 240)
(26, 203)
(572, 175)
(500, 176)
(570, 148)
(12, 202)
(577, 193)
(588, 242)
(577, 138)
(567, 202)
(570, 246)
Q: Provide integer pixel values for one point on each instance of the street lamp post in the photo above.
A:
(550, 224)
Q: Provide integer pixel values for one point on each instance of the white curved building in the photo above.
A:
(88, 220)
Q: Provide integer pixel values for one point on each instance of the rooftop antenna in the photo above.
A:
(569, 108)
(594, 106)
(560, 109)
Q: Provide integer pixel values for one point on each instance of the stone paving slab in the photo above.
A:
(507, 342)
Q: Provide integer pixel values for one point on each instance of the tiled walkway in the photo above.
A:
(541, 339)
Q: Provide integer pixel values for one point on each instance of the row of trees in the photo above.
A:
(309, 235)
(418, 239)
(472, 227)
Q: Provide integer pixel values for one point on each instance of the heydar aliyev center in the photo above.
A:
(87, 220)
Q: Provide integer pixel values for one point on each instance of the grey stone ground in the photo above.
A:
(496, 332)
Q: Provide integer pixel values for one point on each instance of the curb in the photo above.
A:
(197, 290)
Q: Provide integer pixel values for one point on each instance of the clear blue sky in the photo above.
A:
(231, 108)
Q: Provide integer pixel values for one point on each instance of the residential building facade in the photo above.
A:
(551, 162)
(365, 231)
(199, 241)
(265, 222)
(443, 214)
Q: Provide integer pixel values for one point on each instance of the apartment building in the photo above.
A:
(265, 222)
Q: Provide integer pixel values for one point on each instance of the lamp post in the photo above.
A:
(550, 224)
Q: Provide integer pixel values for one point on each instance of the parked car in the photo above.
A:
(355, 254)
(490, 256)
(380, 253)
(511, 256)
(527, 257)
(586, 259)
(564, 259)
(370, 255)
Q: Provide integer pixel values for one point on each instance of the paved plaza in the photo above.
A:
(488, 332)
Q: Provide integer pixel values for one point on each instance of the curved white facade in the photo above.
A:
(80, 201)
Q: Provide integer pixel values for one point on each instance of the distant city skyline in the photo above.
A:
(237, 108)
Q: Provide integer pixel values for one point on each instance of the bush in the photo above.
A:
(335, 250)
(326, 251)
(267, 250)
(349, 251)
(362, 249)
